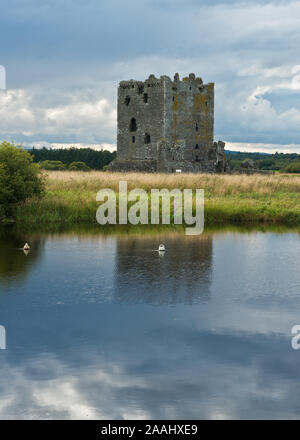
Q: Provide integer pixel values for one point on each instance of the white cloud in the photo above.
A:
(15, 110)
(81, 118)
(68, 95)
(77, 114)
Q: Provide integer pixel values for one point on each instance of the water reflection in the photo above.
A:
(108, 328)
(15, 263)
(182, 274)
(159, 381)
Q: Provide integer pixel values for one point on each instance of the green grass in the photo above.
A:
(240, 200)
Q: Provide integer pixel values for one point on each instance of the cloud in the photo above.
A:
(115, 386)
(63, 74)
(261, 147)
(95, 350)
(24, 117)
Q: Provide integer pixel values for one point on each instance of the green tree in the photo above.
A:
(79, 166)
(20, 178)
(293, 167)
(53, 165)
(94, 159)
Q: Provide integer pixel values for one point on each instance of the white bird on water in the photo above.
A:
(161, 248)
(26, 247)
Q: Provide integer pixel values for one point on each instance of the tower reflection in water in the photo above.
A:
(182, 274)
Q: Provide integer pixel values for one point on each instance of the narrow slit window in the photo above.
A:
(147, 138)
(196, 126)
(133, 139)
(196, 147)
(197, 158)
(145, 98)
(127, 100)
(133, 126)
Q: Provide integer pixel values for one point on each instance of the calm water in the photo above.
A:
(105, 327)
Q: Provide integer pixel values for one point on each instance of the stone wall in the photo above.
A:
(189, 114)
(166, 125)
(142, 102)
(172, 157)
(127, 166)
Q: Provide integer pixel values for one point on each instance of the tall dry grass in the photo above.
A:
(229, 199)
(216, 184)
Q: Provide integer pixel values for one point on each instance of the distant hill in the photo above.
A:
(233, 153)
(284, 162)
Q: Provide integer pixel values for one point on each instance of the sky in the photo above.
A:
(64, 60)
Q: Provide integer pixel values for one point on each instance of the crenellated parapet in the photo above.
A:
(178, 114)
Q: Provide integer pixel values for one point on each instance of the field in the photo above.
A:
(229, 199)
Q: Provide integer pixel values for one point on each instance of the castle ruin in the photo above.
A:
(167, 126)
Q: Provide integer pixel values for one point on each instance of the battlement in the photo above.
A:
(179, 112)
(192, 81)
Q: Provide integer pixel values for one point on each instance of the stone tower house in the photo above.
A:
(167, 126)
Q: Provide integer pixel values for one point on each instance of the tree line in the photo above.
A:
(283, 162)
(93, 159)
(87, 158)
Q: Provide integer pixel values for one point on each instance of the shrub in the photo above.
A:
(20, 178)
(293, 167)
(79, 166)
(266, 164)
(53, 165)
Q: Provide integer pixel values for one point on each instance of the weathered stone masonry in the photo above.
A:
(165, 125)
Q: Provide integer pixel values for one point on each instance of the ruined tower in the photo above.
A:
(167, 126)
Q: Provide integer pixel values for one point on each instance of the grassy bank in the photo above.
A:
(229, 199)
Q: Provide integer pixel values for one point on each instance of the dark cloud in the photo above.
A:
(87, 47)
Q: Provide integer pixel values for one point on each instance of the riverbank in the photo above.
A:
(70, 197)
